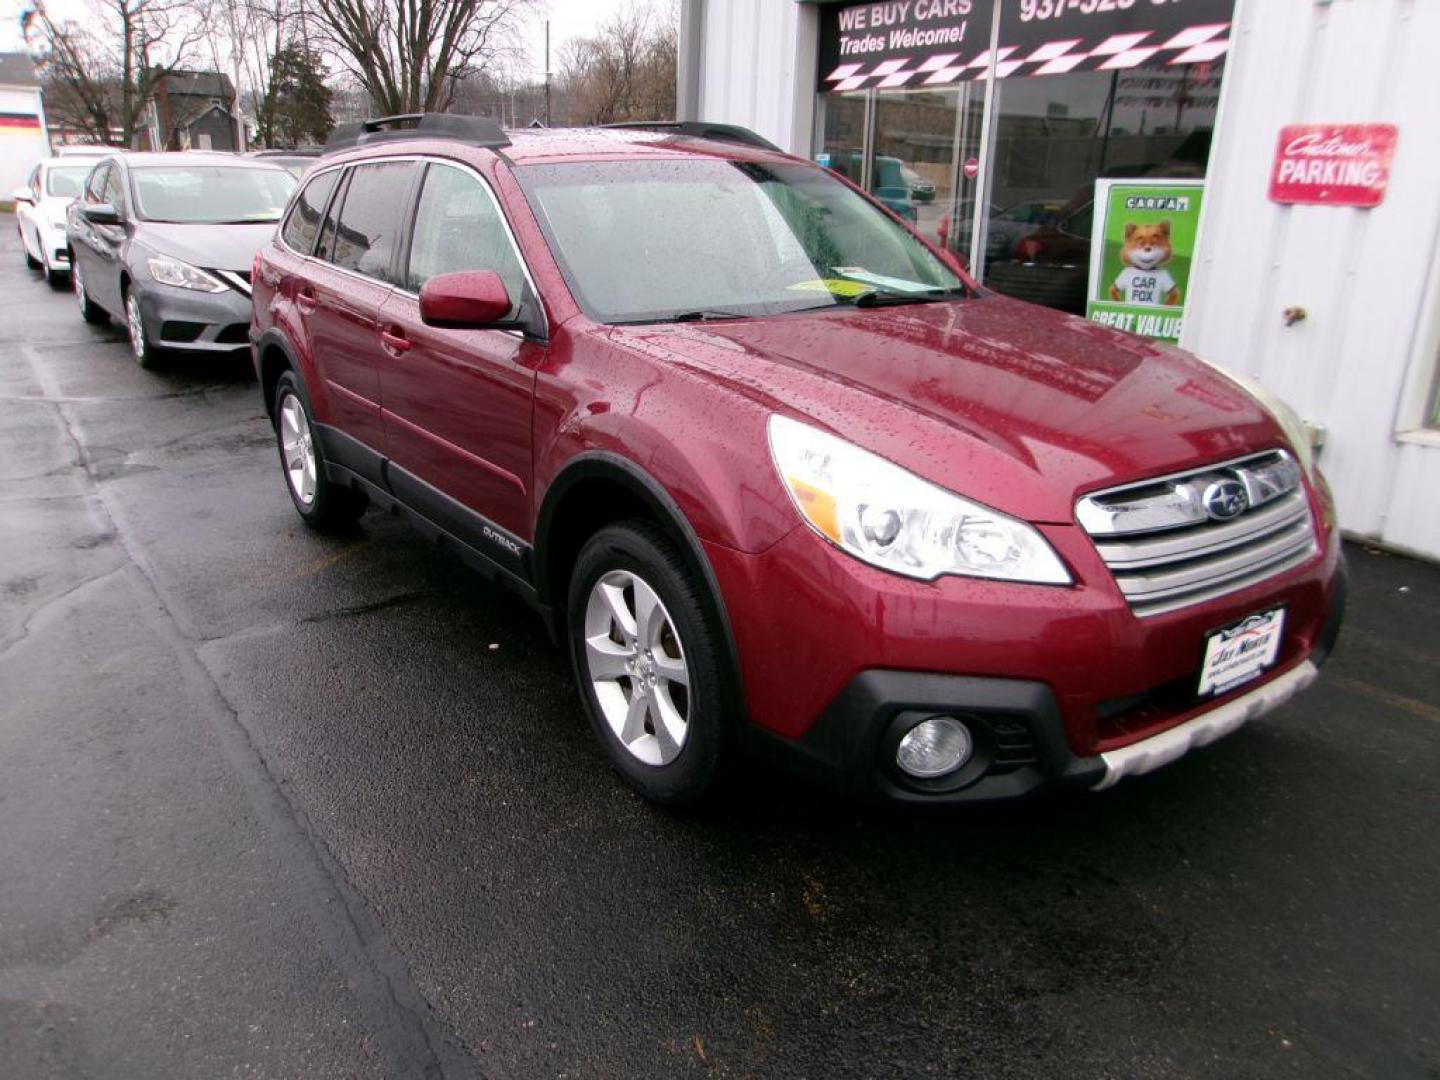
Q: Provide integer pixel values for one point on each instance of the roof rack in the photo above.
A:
(699, 129)
(475, 130)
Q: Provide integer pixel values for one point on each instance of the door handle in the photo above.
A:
(394, 342)
(305, 301)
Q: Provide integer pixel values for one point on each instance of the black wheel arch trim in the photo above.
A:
(273, 338)
(602, 464)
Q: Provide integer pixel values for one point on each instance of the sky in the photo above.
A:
(568, 18)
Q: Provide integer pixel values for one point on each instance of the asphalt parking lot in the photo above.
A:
(279, 805)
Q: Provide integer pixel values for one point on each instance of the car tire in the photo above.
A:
(56, 278)
(672, 740)
(30, 260)
(90, 311)
(321, 503)
(142, 349)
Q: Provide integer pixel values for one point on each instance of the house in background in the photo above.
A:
(191, 110)
(24, 138)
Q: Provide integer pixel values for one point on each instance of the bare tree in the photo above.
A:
(409, 55)
(624, 72)
(107, 69)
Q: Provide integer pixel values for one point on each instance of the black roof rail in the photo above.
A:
(475, 130)
(699, 129)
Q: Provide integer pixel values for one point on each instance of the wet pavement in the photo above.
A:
(273, 804)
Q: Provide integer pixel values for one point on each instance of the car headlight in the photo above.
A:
(892, 519)
(183, 276)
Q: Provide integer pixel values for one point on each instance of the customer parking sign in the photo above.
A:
(1140, 255)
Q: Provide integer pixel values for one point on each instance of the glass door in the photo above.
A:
(927, 159)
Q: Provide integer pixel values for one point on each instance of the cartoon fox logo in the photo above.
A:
(1145, 280)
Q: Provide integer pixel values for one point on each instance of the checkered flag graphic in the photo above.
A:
(1193, 45)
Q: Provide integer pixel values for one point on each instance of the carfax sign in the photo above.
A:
(1143, 243)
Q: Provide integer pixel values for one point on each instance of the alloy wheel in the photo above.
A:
(298, 447)
(79, 283)
(636, 666)
(136, 326)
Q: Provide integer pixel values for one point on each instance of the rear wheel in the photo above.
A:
(90, 311)
(321, 503)
(648, 663)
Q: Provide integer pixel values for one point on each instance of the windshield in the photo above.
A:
(66, 181)
(210, 194)
(650, 241)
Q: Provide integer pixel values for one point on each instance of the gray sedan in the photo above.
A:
(164, 242)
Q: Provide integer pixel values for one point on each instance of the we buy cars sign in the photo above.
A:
(1333, 164)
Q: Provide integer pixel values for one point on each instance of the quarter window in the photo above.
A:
(369, 220)
(458, 227)
(113, 193)
(326, 248)
(304, 221)
(95, 186)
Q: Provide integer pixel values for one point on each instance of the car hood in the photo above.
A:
(1013, 405)
(212, 247)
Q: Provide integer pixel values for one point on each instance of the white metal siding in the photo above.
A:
(757, 68)
(1361, 275)
(19, 151)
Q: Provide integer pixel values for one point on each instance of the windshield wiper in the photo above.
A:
(707, 315)
(885, 297)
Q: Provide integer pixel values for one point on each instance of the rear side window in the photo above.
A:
(303, 223)
(368, 225)
(458, 227)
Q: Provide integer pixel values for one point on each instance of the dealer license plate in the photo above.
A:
(1241, 652)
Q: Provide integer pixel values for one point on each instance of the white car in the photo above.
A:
(40, 212)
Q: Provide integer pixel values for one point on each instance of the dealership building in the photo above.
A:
(23, 137)
(1033, 138)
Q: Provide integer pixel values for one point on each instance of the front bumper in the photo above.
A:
(1061, 687)
(183, 319)
(56, 247)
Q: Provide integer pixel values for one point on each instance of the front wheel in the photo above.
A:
(57, 277)
(30, 260)
(141, 347)
(649, 663)
(321, 503)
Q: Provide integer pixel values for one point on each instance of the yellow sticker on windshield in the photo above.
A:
(834, 286)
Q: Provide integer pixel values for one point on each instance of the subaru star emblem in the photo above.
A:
(1225, 499)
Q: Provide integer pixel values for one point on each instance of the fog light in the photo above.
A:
(934, 747)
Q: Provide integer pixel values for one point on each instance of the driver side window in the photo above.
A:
(95, 185)
(114, 193)
(458, 227)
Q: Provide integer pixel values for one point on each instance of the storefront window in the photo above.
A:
(842, 144)
(1073, 93)
(1055, 136)
(922, 139)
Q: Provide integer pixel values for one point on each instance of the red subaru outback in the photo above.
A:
(777, 473)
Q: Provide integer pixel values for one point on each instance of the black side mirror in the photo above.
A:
(101, 214)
